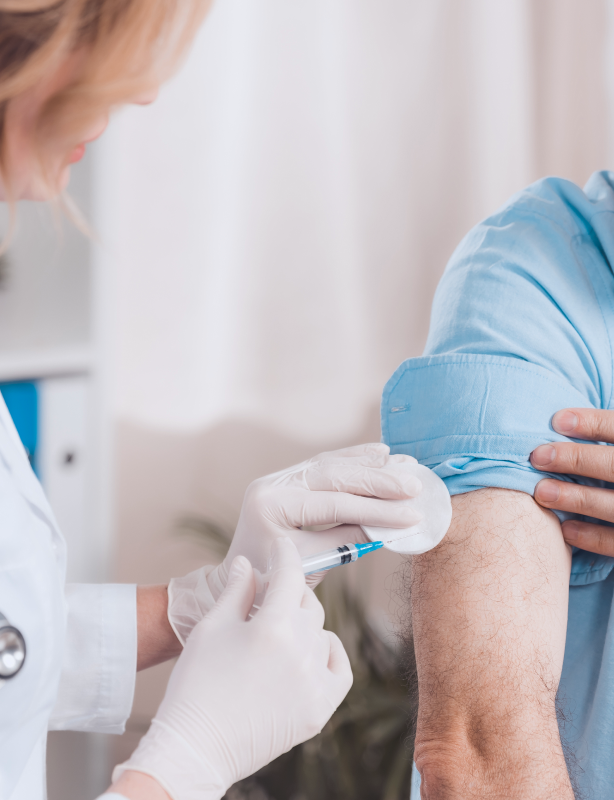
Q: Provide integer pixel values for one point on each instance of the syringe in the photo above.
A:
(319, 562)
(340, 555)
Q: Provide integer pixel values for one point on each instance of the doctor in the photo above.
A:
(242, 692)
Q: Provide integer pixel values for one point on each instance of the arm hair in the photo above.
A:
(489, 616)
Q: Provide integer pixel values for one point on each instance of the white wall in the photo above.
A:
(45, 297)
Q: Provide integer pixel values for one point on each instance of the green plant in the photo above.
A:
(364, 752)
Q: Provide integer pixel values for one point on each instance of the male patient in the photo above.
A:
(514, 646)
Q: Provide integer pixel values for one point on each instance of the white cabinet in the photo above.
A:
(64, 456)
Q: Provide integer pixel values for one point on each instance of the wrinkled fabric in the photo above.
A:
(99, 668)
(189, 599)
(522, 326)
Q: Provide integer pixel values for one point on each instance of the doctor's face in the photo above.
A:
(41, 170)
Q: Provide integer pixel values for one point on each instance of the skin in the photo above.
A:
(26, 178)
(489, 616)
(580, 459)
(138, 786)
(156, 640)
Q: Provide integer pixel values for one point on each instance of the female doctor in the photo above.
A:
(243, 691)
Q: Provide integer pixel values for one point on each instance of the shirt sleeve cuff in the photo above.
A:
(475, 419)
(99, 670)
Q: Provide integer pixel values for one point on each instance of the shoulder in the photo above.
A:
(551, 210)
(560, 202)
(534, 282)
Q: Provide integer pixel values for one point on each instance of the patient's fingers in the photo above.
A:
(585, 423)
(587, 536)
(586, 500)
(592, 461)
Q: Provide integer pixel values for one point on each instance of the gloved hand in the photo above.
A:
(242, 693)
(344, 486)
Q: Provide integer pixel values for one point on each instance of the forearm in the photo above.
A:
(156, 639)
(138, 786)
(489, 608)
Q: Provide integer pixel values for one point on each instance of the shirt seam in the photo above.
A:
(470, 435)
(516, 210)
(405, 367)
(596, 294)
(521, 208)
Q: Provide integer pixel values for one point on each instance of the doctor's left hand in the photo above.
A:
(349, 486)
(587, 460)
(243, 691)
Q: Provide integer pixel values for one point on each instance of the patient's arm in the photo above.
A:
(489, 609)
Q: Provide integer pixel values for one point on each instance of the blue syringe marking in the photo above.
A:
(345, 554)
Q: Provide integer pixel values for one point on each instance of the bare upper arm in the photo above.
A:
(489, 614)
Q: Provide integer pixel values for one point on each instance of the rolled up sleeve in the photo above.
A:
(457, 412)
(99, 670)
(475, 419)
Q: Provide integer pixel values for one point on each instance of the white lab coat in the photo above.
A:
(80, 662)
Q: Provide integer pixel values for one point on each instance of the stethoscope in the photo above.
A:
(12, 650)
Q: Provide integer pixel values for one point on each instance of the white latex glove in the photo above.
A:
(344, 486)
(244, 692)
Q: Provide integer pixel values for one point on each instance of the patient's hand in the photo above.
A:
(489, 608)
(580, 459)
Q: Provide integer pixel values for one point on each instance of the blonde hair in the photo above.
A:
(128, 47)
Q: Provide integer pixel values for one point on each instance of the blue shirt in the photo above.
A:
(522, 326)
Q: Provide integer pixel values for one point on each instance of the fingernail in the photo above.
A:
(543, 455)
(281, 541)
(401, 458)
(237, 568)
(548, 491)
(571, 531)
(564, 421)
(410, 485)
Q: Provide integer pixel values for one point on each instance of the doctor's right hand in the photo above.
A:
(244, 691)
(343, 488)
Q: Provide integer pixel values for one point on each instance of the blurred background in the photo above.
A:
(269, 235)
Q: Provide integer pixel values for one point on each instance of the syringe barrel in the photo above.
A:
(329, 559)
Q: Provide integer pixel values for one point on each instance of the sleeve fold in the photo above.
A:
(99, 670)
(475, 419)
